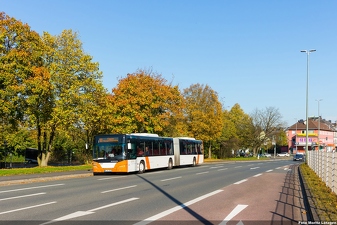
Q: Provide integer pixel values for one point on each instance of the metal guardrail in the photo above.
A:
(325, 166)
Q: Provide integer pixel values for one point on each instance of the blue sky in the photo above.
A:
(247, 51)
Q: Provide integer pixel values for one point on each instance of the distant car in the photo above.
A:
(266, 155)
(298, 157)
(282, 154)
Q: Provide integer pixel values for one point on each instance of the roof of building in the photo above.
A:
(313, 124)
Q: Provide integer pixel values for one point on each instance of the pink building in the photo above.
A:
(320, 135)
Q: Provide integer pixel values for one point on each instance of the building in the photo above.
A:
(322, 135)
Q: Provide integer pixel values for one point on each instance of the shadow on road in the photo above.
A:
(290, 208)
(186, 208)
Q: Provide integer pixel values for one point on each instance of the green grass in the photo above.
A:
(48, 169)
(325, 200)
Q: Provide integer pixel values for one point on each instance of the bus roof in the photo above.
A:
(144, 134)
(187, 138)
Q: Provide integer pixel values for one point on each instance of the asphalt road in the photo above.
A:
(261, 192)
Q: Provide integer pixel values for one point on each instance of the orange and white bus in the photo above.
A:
(138, 152)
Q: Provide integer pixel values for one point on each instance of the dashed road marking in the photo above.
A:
(22, 189)
(202, 173)
(254, 168)
(173, 178)
(22, 196)
(29, 207)
(109, 178)
(117, 189)
(241, 181)
(257, 175)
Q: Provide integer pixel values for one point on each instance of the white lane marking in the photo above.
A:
(254, 168)
(117, 189)
(29, 207)
(186, 168)
(241, 181)
(250, 164)
(269, 171)
(109, 178)
(202, 173)
(113, 204)
(83, 213)
(237, 166)
(22, 189)
(223, 169)
(234, 212)
(174, 209)
(278, 168)
(173, 178)
(68, 217)
(215, 167)
(22, 196)
(257, 175)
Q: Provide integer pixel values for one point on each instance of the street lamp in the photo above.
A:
(306, 105)
(296, 135)
(319, 120)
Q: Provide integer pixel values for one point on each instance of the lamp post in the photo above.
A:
(296, 135)
(306, 104)
(319, 121)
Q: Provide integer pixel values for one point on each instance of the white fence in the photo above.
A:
(325, 166)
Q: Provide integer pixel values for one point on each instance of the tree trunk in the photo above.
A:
(43, 161)
(210, 151)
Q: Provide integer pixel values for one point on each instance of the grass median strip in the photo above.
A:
(325, 200)
(39, 170)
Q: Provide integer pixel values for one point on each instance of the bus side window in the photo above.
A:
(168, 146)
(183, 150)
(148, 148)
(140, 152)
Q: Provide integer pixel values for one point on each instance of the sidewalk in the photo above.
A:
(273, 198)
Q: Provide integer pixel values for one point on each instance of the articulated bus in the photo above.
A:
(137, 152)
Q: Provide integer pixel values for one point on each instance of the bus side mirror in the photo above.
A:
(129, 146)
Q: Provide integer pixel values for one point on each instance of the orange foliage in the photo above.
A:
(144, 102)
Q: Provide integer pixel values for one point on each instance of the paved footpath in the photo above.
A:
(273, 197)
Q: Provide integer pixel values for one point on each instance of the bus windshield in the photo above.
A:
(109, 151)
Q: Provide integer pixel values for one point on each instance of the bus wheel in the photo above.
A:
(141, 167)
(194, 162)
(170, 164)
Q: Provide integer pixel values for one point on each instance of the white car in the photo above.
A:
(266, 155)
(282, 154)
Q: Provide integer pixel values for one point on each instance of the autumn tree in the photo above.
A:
(203, 114)
(21, 64)
(266, 125)
(236, 129)
(75, 82)
(145, 102)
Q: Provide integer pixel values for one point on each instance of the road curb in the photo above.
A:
(308, 199)
(43, 179)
